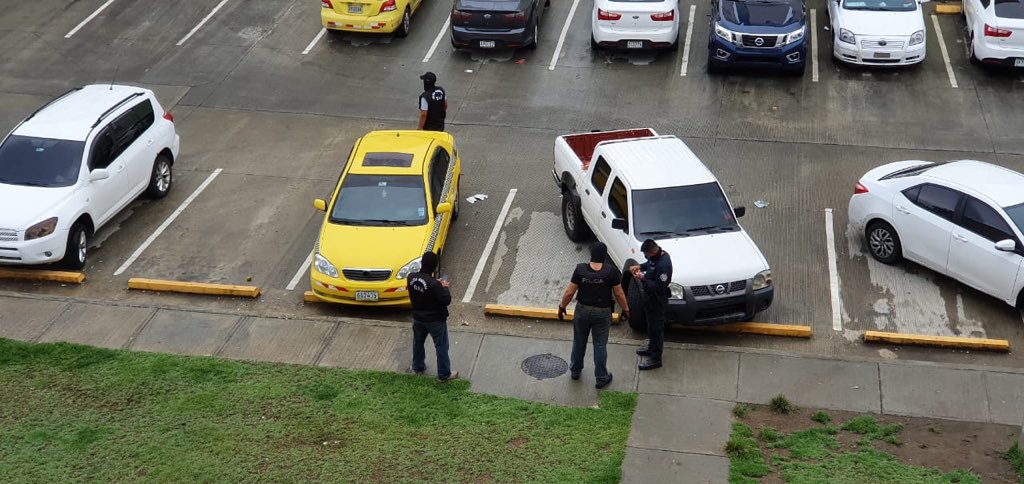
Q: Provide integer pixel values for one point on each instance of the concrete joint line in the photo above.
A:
(988, 401)
(709, 454)
(476, 356)
(52, 321)
(690, 397)
(231, 334)
(326, 343)
(739, 362)
(881, 395)
(138, 330)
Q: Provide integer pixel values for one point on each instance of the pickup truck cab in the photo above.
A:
(629, 185)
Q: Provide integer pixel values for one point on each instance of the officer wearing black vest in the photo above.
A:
(597, 283)
(655, 275)
(433, 104)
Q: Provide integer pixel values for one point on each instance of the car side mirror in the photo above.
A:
(99, 174)
(444, 207)
(1007, 245)
(620, 224)
(739, 211)
(320, 204)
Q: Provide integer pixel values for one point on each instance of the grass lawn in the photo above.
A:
(1016, 457)
(73, 413)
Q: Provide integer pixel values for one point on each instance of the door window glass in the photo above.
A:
(102, 150)
(941, 201)
(601, 173)
(985, 221)
(617, 200)
(438, 173)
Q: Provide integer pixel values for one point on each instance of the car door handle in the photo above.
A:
(603, 215)
(587, 190)
(960, 238)
(903, 209)
(149, 143)
(120, 168)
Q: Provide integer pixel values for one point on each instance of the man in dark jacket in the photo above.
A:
(655, 275)
(430, 299)
(433, 104)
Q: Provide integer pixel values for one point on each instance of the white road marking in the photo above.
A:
(833, 273)
(202, 22)
(814, 45)
(316, 39)
(88, 19)
(170, 219)
(686, 44)
(437, 40)
(561, 37)
(945, 53)
(303, 269)
(487, 248)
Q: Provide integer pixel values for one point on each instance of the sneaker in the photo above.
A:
(650, 365)
(575, 375)
(643, 351)
(453, 376)
(602, 384)
(414, 370)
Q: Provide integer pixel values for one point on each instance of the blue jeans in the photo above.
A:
(438, 332)
(589, 320)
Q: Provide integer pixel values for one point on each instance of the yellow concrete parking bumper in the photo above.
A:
(160, 285)
(40, 275)
(948, 8)
(528, 312)
(954, 342)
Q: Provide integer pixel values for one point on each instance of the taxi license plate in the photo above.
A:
(486, 44)
(355, 8)
(634, 44)
(1018, 63)
(881, 55)
(368, 296)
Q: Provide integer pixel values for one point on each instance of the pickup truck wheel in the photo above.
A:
(635, 298)
(572, 219)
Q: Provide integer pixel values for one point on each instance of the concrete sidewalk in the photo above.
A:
(682, 420)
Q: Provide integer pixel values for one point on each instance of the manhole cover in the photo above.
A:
(545, 366)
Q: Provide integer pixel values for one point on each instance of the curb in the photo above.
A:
(160, 285)
(533, 313)
(940, 341)
(42, 275)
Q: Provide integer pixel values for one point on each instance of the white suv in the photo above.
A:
(73, 164)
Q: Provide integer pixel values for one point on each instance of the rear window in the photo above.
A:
(1009, 9)
(393, 160)
(40, 162)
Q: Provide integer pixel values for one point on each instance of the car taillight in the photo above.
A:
(168, 116)
(388, 6)
(664, 16)
(459, 16)
(515, 16)
(605, 15)
(326, 4)
(991, 31)
(859, 188)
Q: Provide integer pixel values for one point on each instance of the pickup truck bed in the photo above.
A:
(583, 144)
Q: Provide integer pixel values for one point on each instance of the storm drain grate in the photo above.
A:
(545, 366)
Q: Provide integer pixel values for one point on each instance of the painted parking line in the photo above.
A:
(945, 52)
(814, 45)
(170, 219)
(490, 244)
(686, 44)
(561, 37)
(313, 42)
(303, 269)
(833, 272)
(88, 19)
(202, 22)
(437, 40)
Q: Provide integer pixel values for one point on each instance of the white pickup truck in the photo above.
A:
(629, 185)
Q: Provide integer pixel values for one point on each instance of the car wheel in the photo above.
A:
(77, 251)
(572, 219)
(593, 43)
(161, 178)
(458, 200)
(536, 35)
(970, 51)
(403, 29)
(712, 67)
(884, 243)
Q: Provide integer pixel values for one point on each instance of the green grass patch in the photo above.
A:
(740, 410)
(867, 426)
(1016, 457)
(821, 417)
(73, 413)
(781, 405)
(746, 462)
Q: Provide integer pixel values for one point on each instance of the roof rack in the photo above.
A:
(58, 98)
(114, 107)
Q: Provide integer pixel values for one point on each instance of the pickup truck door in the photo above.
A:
(616, 205)
(592, 194)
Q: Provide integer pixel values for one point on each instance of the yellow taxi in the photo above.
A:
(395, 199)
(383, 16)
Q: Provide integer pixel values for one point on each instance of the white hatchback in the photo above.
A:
(877, 32)
(73, 164)
(964, 219)
(635, 24)
(995, 31)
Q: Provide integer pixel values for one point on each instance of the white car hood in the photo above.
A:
(26, 206)
(875, 23)
(714, 258)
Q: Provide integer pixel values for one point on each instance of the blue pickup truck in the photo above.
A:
(758, 33)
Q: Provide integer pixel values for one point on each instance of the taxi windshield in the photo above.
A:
(381, 200)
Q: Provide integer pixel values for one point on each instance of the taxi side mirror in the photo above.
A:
(739, 211)
(320, 205)
(444, 207)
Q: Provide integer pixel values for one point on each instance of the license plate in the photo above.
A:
(634, 44)
(881, 55)
(369, 296)
(1018, 63)
(355, 8)
(486, 44)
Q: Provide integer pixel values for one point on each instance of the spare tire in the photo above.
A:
(635, 298)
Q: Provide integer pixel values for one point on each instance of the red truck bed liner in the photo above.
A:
(583, 144)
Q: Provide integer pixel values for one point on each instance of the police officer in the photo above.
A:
(430, 298)
(596, 283)
(655, 275)
(433, 104)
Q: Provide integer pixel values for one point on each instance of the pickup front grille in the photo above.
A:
(714, 290)
(766, 40)
(8, 235)
(366, 274)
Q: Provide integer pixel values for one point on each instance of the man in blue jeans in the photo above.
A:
(430, 298)
(594, 284)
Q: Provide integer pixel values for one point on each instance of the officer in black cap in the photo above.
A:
(655, 275)
(433, 104)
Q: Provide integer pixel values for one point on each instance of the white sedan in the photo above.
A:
(995, 30)
(635, 24)
(964, 219)
(877, 32)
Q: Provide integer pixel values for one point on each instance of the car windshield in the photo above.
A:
(1016, 214)
(1009, 9)
(381, 200)
(40, 162)
(881, 5)
(681, 211)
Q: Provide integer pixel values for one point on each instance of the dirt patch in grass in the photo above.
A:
(943, 444)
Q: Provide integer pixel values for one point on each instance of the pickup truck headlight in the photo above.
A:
(412, 266)
(793, 37)
(723, 32)
(41, 229)
(917, 37)
(847, 36)
(763, 279)
(676, 291)
(324, 266)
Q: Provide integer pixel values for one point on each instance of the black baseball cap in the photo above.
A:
(429, 77)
